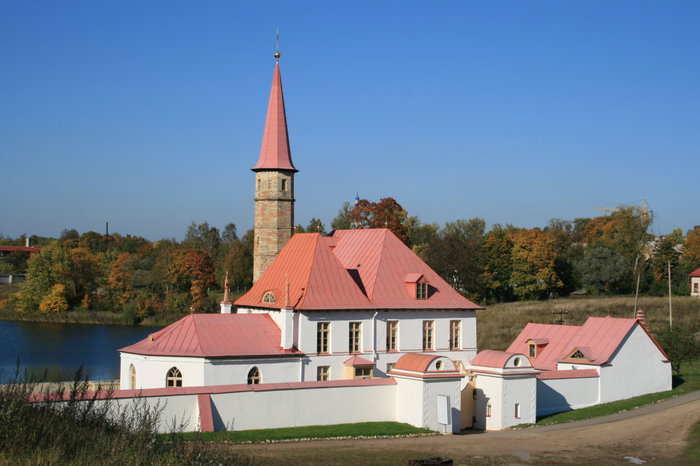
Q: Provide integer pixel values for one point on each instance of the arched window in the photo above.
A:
(254, 376)
(269, 297)
(132, 377)
(174, 378)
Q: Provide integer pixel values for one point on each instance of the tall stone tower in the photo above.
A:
(274, 183)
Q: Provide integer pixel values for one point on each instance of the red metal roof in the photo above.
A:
(491, 358)
(695, 273)
(214, 336)
(415, 362)
(274, 151)
(19, 248)
(357, 361)
(568, 374)
(353, 269)
(598, 339)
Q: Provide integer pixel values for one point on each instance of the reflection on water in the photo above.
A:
(60, 349)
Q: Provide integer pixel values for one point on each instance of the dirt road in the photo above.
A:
(655, 434)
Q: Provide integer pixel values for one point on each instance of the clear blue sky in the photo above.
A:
(149, 115)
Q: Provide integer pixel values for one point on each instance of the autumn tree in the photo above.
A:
(44, 270)
(387, 213)
(691, 249)
(191, 269)
(533, 275)
(120, 277)
(86, 275)
(55, 301)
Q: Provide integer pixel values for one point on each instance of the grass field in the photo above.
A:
(498, 325)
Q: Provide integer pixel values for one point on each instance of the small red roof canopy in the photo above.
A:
(353, 269)
(492, 358)
(597, 339)
(695, 273)
(274, 151)
(215, 336)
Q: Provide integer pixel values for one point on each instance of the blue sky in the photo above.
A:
(149, 115)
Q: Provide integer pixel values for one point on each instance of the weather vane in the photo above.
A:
(277, 46)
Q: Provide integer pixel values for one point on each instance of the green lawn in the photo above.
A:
(360, 429)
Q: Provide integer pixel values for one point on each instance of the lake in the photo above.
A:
(61, 349)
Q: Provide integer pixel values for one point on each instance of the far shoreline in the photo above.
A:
(86, 317)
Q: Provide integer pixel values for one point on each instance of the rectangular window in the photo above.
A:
(284, 185)
(421, 291)
(363, 372)
(355, 337)
(517, 410)
(532, 350)
(322, 331)
(455, 334)
(392, 333)
(696, 286)
(323, 373)
(488, 409)
(428, 328)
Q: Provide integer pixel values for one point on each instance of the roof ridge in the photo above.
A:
(196, 333)
(305, 279)
(380, 261)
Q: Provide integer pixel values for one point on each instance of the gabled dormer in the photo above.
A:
(580, 354)
(535, 346)
(417, 286)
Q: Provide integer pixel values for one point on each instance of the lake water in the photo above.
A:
(61, 349)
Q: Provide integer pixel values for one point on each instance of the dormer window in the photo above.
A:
(532, 350)
(421, 291)
(577, 355)
(268, 297)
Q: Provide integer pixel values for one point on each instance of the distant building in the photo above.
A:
(695, 283)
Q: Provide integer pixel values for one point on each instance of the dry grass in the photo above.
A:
(498, 325)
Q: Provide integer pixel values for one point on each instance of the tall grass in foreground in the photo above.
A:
(498, 325)
(84, 430)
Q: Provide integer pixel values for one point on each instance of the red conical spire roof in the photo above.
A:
(274, 152)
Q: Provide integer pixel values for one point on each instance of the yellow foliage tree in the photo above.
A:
(55, 300)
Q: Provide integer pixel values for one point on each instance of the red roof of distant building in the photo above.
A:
(19, 248)
(353, 269)
(597, 339)
(274, 151)
(214, 336)
(695, 273)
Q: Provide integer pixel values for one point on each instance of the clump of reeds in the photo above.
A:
(80, 427)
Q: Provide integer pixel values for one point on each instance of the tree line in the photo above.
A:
(609, 254)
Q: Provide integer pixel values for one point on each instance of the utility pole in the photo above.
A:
(670, 306)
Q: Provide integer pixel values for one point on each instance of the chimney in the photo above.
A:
(640, 317)
(26, 241)
(226, 303)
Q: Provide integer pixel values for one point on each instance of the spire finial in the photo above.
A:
(277, 47)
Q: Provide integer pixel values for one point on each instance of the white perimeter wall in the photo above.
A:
(637, 368)
(503, 392)
(557, 395)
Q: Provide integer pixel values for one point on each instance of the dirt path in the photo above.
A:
(655, 433)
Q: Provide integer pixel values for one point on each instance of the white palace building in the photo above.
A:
(355, 327)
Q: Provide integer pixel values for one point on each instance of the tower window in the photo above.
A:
(284, 185)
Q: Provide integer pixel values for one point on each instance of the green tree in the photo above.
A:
(601, 270)
(239, 263)
(680, 344)
(229, 235)
(421, 233)
(204, 237)
(342, 220)
(498, 263)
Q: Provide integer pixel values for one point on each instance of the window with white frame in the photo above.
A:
(355, 337)
(428, 329)
(455, 334)
(392, 334)
(322, 334)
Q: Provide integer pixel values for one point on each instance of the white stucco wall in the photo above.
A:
(695, 284)
(635, 369)
(489, 391)
(417, 404)
(557, 395)
(151, 371)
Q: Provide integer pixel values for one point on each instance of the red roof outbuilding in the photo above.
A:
(695, 273)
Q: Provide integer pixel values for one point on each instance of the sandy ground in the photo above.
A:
(655, 434)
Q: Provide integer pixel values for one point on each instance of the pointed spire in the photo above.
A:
(274, 151)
